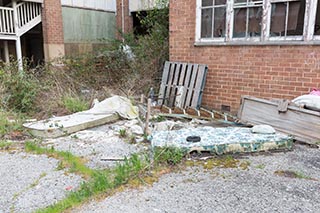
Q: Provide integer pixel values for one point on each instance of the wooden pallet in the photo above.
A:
(182, 85)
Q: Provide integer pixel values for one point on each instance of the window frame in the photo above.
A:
(265, 38)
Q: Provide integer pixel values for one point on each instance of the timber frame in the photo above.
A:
(307, 36)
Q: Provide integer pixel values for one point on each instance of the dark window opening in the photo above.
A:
(317, 22)
(287, 18)
(138, 27)
(213, 18)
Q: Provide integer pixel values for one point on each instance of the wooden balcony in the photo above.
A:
(18, 19)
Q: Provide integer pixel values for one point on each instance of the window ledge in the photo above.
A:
(256, 43)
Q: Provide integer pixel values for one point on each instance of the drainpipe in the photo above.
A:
(122, 17)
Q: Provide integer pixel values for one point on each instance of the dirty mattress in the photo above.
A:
(221, 140)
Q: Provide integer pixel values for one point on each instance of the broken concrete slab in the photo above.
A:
(60, 126)
(104, 112)
(221, 140)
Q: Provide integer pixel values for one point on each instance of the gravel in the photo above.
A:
(256, 189)
(29, 182)
(98, 145)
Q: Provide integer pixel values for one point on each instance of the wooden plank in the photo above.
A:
(170, 80)
(164, 81)
(185, 85)
(181, 91)
(191, 84)
(200, 81)
(174, 84)
(302, 123)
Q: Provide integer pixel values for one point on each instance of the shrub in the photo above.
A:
(19, 89)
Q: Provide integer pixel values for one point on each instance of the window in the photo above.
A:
(263, 21)
(247, 18)
(213, 18)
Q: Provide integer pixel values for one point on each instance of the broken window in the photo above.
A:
(258, 20)
(247, 18)
(213, 18)
(287, 18)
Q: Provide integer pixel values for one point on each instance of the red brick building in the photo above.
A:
(268, 49)
(47, 29)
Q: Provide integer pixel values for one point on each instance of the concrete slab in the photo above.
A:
(103, 112)
(60, 126)
(221, 140)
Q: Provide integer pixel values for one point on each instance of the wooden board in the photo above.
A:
(182, 85)
(302, 123)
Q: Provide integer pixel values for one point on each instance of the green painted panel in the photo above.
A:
(87, 26)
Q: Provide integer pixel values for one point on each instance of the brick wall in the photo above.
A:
(52, 22)
(261, 71)
(128, 21)
(52, 26)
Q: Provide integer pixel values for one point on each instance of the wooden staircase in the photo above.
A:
(18, 19)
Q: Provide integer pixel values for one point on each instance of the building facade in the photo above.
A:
(47, 29)
(267, 48)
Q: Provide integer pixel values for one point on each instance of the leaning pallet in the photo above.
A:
(182, 85)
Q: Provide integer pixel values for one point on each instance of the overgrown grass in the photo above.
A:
(74, 163)
(135, 170)
(5, 144)
(74, 104)
(10, 122)
(168, 156)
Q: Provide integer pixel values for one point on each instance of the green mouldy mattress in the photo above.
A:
(221, 140)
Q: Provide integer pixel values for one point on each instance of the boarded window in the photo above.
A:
(287, 18)
(213, 18)
(247, 18)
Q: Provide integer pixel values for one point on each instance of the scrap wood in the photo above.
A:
(303, 124)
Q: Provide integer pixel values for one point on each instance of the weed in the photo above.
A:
(74, 104)
(158, 118)
(260, 166)
(5, 144)
(123, 133)
(74, 136)
(7, 126)
(292, 174)
(60, 166)
(168, 155)
(19, 89)
(74, 163)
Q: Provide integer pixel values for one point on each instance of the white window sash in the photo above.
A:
(308, 28)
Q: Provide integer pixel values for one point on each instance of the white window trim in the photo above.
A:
(265, 38)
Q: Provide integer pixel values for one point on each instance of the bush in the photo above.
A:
(19, 89)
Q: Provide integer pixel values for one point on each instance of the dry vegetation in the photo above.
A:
(50, 90)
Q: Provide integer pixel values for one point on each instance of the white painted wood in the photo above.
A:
(6, 51)
(311, 12)
(198, 21)
(104, 5)
(19, 54)
(229, 20)
(36, 1)
(140, 5)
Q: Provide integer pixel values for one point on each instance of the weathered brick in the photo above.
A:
(263, 71)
